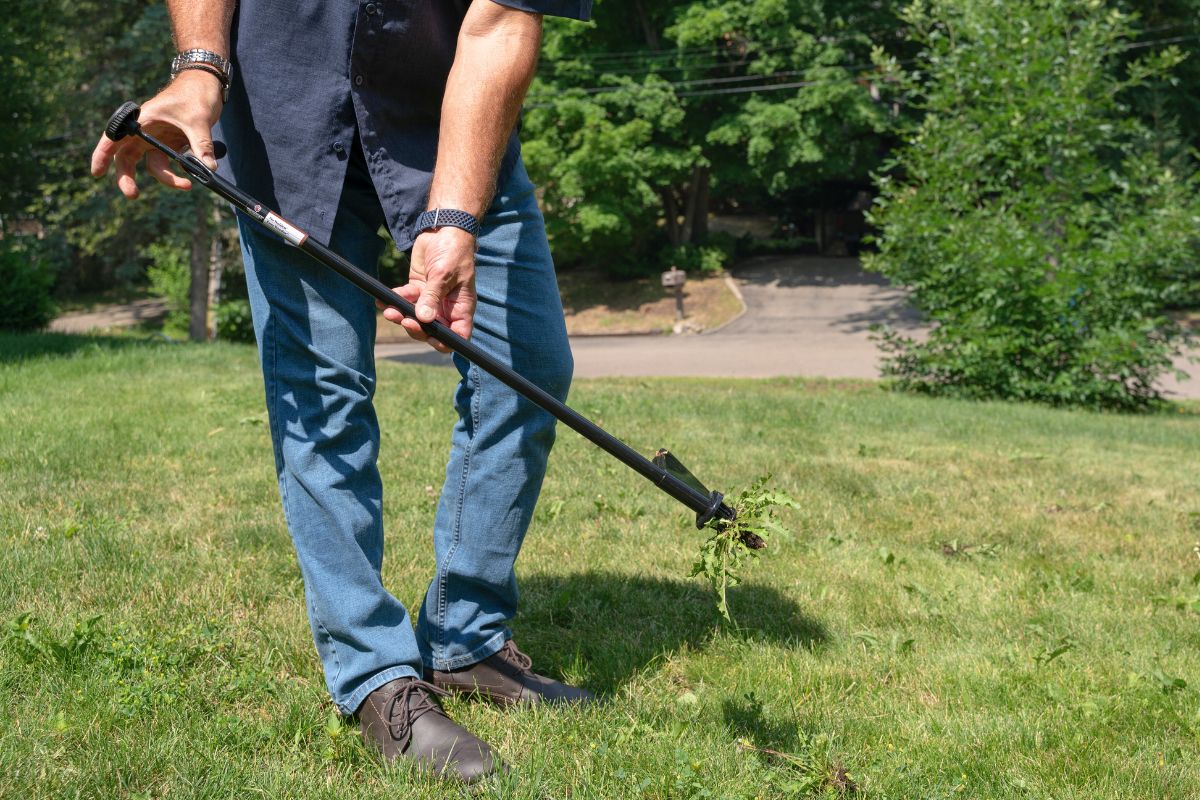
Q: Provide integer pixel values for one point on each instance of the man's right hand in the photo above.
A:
(181, 115)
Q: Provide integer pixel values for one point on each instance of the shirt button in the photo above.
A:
(372, 8)
(339, 148)
(358, 80)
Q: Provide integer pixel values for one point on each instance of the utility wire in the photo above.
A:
(703, 81)
(666, 53)
(772, 87)
(612, 58)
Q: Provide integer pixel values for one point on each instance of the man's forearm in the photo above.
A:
(202, 24)
(493, 65)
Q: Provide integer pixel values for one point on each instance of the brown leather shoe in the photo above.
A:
(507, 678)
(403, 718)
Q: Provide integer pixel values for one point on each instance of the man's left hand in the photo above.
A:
(441, 284)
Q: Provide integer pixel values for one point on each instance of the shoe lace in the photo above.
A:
(413, 700)
(512, 655)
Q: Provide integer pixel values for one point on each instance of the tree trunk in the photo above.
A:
(696, 222)
(198, 292)
(216, 267)
(671, 210)
(648, 31)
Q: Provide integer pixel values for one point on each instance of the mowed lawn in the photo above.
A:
(978, 601)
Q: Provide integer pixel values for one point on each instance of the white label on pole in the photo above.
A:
(284, 228)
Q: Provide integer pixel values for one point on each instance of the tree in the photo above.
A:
(98, 237)
(636, 121)
(1038, 226)
(26, 65)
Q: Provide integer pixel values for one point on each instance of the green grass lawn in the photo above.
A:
(979, 600)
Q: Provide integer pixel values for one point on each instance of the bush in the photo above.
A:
(171, 279)
(1029, 212)
(25, 302)
(233, 320)
(696, 258)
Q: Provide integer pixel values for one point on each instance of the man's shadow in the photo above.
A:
(616, 624)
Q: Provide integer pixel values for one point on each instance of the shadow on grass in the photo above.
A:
(617, 624)
(17, 347)
(747, 719)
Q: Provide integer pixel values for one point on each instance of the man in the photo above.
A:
(344, 117)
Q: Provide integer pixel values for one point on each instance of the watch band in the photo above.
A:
(201, 56)
(447, 217)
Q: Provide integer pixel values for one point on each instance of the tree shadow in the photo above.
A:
(789, 271)
(618, 623)
(17, 347)
(424, 356)
(894, 312)
(583, 289)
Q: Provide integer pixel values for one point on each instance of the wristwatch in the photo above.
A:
(436, 218)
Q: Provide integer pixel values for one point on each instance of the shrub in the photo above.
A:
(25, 302)
(718, 250)
(171, 279)
(1029, 211)
(233, 321)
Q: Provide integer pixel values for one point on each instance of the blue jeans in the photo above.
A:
(316, 337)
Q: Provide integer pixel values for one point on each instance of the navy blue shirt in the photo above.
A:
(310, 75)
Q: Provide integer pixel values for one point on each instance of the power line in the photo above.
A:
(1173, 40)
(666, 53)
(648, 68)
(766, 87)
(711, 81)
(664, 84)
(774, 87)
(613, 58)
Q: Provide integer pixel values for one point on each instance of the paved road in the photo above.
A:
(805, 316)
(122, 316)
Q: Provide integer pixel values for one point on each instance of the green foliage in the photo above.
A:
(628, 143)
(233, 320)
(170, 278)
(1170, 104)
(25, 302)
(712, 257)
(725, 552)
(602, 168)
(118, 54)
(1030, 213)
(27, 68)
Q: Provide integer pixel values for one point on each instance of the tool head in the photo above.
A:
(123, 122)
(717, 508)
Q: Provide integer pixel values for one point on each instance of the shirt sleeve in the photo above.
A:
(573, 9)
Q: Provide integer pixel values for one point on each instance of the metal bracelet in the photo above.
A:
(201, 56)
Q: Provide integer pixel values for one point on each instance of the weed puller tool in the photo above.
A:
(664, 471)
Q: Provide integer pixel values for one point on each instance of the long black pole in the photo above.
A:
(124, 122)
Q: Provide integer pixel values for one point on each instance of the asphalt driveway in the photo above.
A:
(805, 316)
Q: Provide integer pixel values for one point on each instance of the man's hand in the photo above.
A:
(441, 284)
(182, 114)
